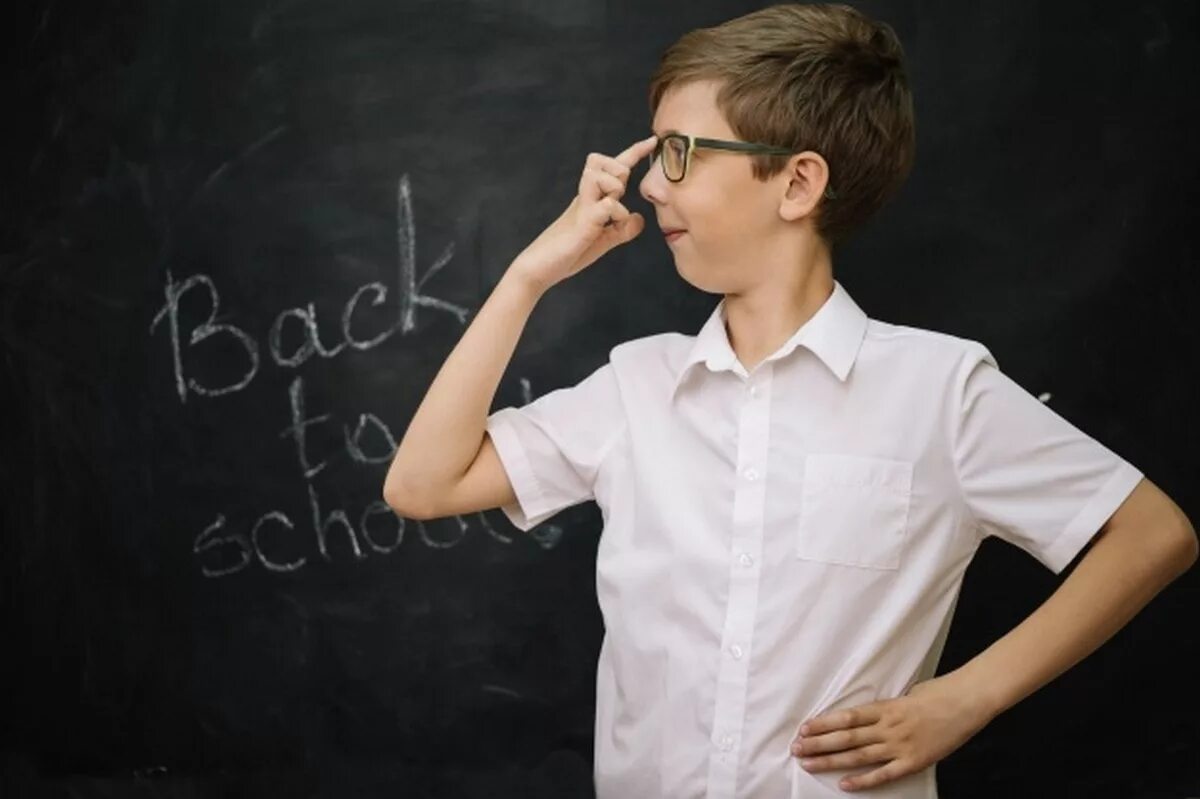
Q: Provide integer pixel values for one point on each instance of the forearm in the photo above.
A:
(447, 429)
(1124, 569)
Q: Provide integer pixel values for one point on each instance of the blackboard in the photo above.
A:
(239, 239)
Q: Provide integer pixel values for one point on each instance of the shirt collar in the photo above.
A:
(834, 334)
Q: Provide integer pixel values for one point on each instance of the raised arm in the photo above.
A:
(445, 464)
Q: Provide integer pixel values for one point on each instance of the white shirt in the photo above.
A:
(785, 542)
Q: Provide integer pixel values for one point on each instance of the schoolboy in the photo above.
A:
(791, 496)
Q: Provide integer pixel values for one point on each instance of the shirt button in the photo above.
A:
(736, 651)
(726, 743)
(745, 559)
(751, 474)
(754, 391)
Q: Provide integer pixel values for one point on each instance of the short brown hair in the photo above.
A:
(821, 77)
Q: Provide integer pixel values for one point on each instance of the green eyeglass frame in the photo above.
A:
(694, 142)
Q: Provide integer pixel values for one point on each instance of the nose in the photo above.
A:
(653, 185)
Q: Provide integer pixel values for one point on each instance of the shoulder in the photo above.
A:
(930, 347)
(657, 349)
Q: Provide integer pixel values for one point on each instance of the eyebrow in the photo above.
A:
(664, 133)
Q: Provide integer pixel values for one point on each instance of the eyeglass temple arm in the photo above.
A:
(748, 147)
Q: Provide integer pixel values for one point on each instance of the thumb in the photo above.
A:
(630, 227)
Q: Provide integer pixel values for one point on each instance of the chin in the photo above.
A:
(708, 287)
(708, 283)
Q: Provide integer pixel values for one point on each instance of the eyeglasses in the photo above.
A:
(676, 151)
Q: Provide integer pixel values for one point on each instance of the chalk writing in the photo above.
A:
(409, 299)
(224, 548)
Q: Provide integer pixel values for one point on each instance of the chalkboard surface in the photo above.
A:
(241, 236)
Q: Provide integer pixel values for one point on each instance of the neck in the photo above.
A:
(760, 319)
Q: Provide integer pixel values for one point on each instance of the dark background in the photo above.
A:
(178, 177)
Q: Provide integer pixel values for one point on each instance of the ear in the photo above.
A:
(807, 175)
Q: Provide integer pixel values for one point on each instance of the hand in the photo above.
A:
(592, 224)
(905, 734)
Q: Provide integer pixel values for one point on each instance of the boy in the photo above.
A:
(790, 497)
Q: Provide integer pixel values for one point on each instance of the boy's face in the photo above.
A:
(735, 225)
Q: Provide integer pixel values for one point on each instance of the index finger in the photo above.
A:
(637, 151)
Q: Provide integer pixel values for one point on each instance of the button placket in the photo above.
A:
(742, 603)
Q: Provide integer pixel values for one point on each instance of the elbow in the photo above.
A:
(1180, 553)
(403, 502)
(1191, 546)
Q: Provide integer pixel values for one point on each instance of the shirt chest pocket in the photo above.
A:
(854, 510)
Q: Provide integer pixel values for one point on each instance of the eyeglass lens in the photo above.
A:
(674, 154)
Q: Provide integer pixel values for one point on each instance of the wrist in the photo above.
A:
(978, 692)
(523, 279)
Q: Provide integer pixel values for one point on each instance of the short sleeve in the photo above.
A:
(1027, 475)
(552, 447)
